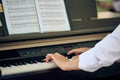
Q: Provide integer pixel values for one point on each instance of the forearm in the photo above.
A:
(64, 63)
(60, 61)
(72, 64)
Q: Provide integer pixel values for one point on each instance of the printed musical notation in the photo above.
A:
(27, 16)
(20, 16)
(52, 15)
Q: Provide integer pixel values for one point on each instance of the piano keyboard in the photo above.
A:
(38, 66)
(31, 59)
(25, 65)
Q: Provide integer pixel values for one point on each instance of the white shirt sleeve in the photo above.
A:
(104, 53)
(116, 6)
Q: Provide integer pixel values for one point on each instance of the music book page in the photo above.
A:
(30, 16)
(52, 15)
(20, 16)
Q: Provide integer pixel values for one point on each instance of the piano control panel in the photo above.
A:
(43, 51)
(16, 60)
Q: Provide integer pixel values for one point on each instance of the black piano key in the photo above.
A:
(6, 65)
(35, 61)
(31, 62)
(3, 65)
(23, 62)
(9, 65)
(15, 64)
(42, 60)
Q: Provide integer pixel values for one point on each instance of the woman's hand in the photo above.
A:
(78, 51)
(63, 62)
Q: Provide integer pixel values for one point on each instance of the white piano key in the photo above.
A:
(27, 68)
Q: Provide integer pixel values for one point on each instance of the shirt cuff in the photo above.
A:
(89, 62)
(116, 6)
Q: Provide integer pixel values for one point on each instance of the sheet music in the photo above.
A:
(20, 16)
(29, 16)
(52, 15)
